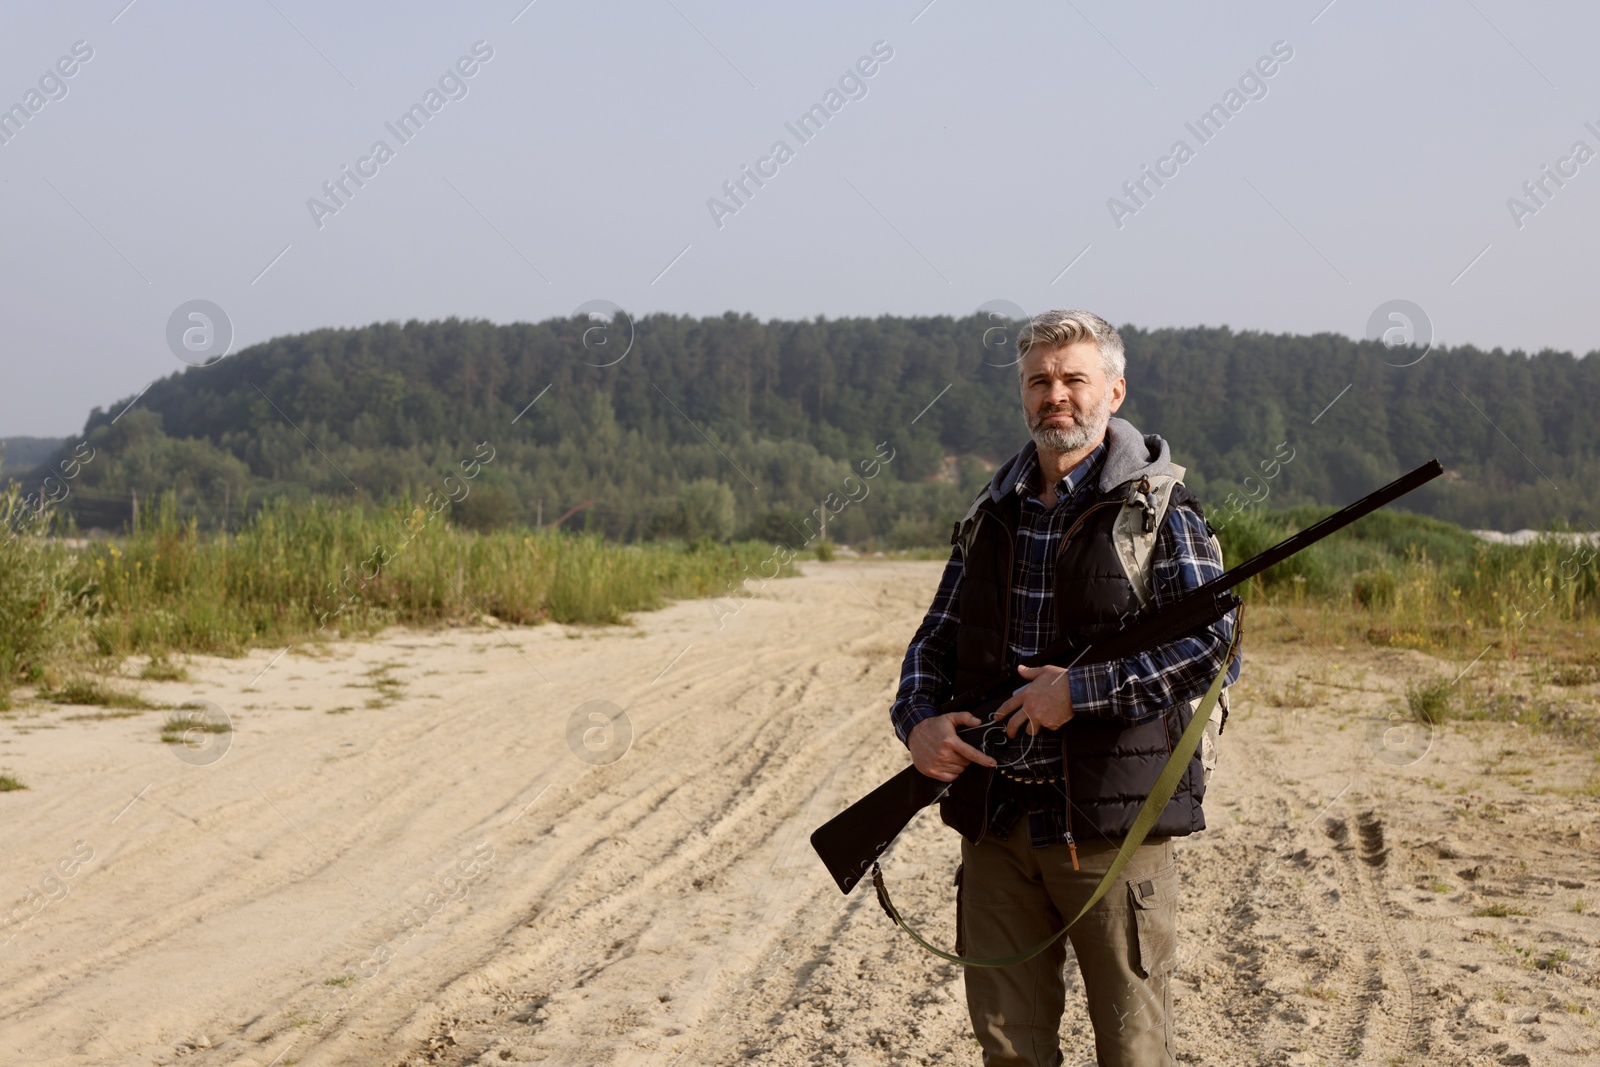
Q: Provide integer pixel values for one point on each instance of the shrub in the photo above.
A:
(918, 533)
(1429, 701)
(703, 508)
(1374, 588)
(777, 526)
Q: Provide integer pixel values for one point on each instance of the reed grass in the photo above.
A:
(295, 570)
(36, 604)
(1408, 581)
(90, 692)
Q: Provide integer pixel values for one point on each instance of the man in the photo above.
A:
(1043, 552)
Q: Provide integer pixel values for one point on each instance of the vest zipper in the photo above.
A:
(1080, 520)
(1055, 608)
(1066, 799)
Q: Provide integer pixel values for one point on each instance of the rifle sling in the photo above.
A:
(1160, 793)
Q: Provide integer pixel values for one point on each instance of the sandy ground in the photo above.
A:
(399, 858)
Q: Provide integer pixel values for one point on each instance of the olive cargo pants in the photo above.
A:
(1012, 896)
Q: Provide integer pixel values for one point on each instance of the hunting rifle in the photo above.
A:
(851, 842)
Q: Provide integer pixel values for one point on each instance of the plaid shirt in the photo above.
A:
(1134, 689)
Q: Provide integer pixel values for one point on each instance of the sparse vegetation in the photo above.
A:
(1295, 695)
(181, 724)
(94, 693)
(1497, 911)
(1429, 701)
(102, 716)
(161, 669)
(1575, 674)
(388, 686)
(10, 784)
(1553, 959)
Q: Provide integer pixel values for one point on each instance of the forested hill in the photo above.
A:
(676, 425)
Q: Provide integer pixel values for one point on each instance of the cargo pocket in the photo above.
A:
(1155, 915)
(961, 930)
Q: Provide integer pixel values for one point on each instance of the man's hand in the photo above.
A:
(936, 750)
(1045, 703)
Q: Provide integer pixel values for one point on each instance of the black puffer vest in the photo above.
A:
(1109, 766)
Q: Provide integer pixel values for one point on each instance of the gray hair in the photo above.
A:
(1052, 329)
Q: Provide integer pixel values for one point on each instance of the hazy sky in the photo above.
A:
(976, 162)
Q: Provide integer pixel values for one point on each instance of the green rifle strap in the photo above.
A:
(1154, 804)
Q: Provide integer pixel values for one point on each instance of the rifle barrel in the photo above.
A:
(1209, 602)
(1323, 528)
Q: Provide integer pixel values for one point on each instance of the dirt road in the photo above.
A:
(399, 858)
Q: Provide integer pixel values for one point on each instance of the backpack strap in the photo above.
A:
(1134, 531)
(1134, 535)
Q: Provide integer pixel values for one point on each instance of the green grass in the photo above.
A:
(181, 723)
(1402, 581)
(1497, 911)
(388, 687)
(1430, 701)
(36, 598)
(9, 784)
(93, 693)
(161, 669)
(293, 570)
(1408, 581)
(1575, 674)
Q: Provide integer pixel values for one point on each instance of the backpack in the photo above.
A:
(1134, 536)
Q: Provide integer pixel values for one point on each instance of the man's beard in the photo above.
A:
(1087, 426)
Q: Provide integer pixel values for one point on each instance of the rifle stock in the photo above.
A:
(850, 842)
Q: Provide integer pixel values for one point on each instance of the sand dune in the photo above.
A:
(441, 877)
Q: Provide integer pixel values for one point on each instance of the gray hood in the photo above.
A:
(1129, 454)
